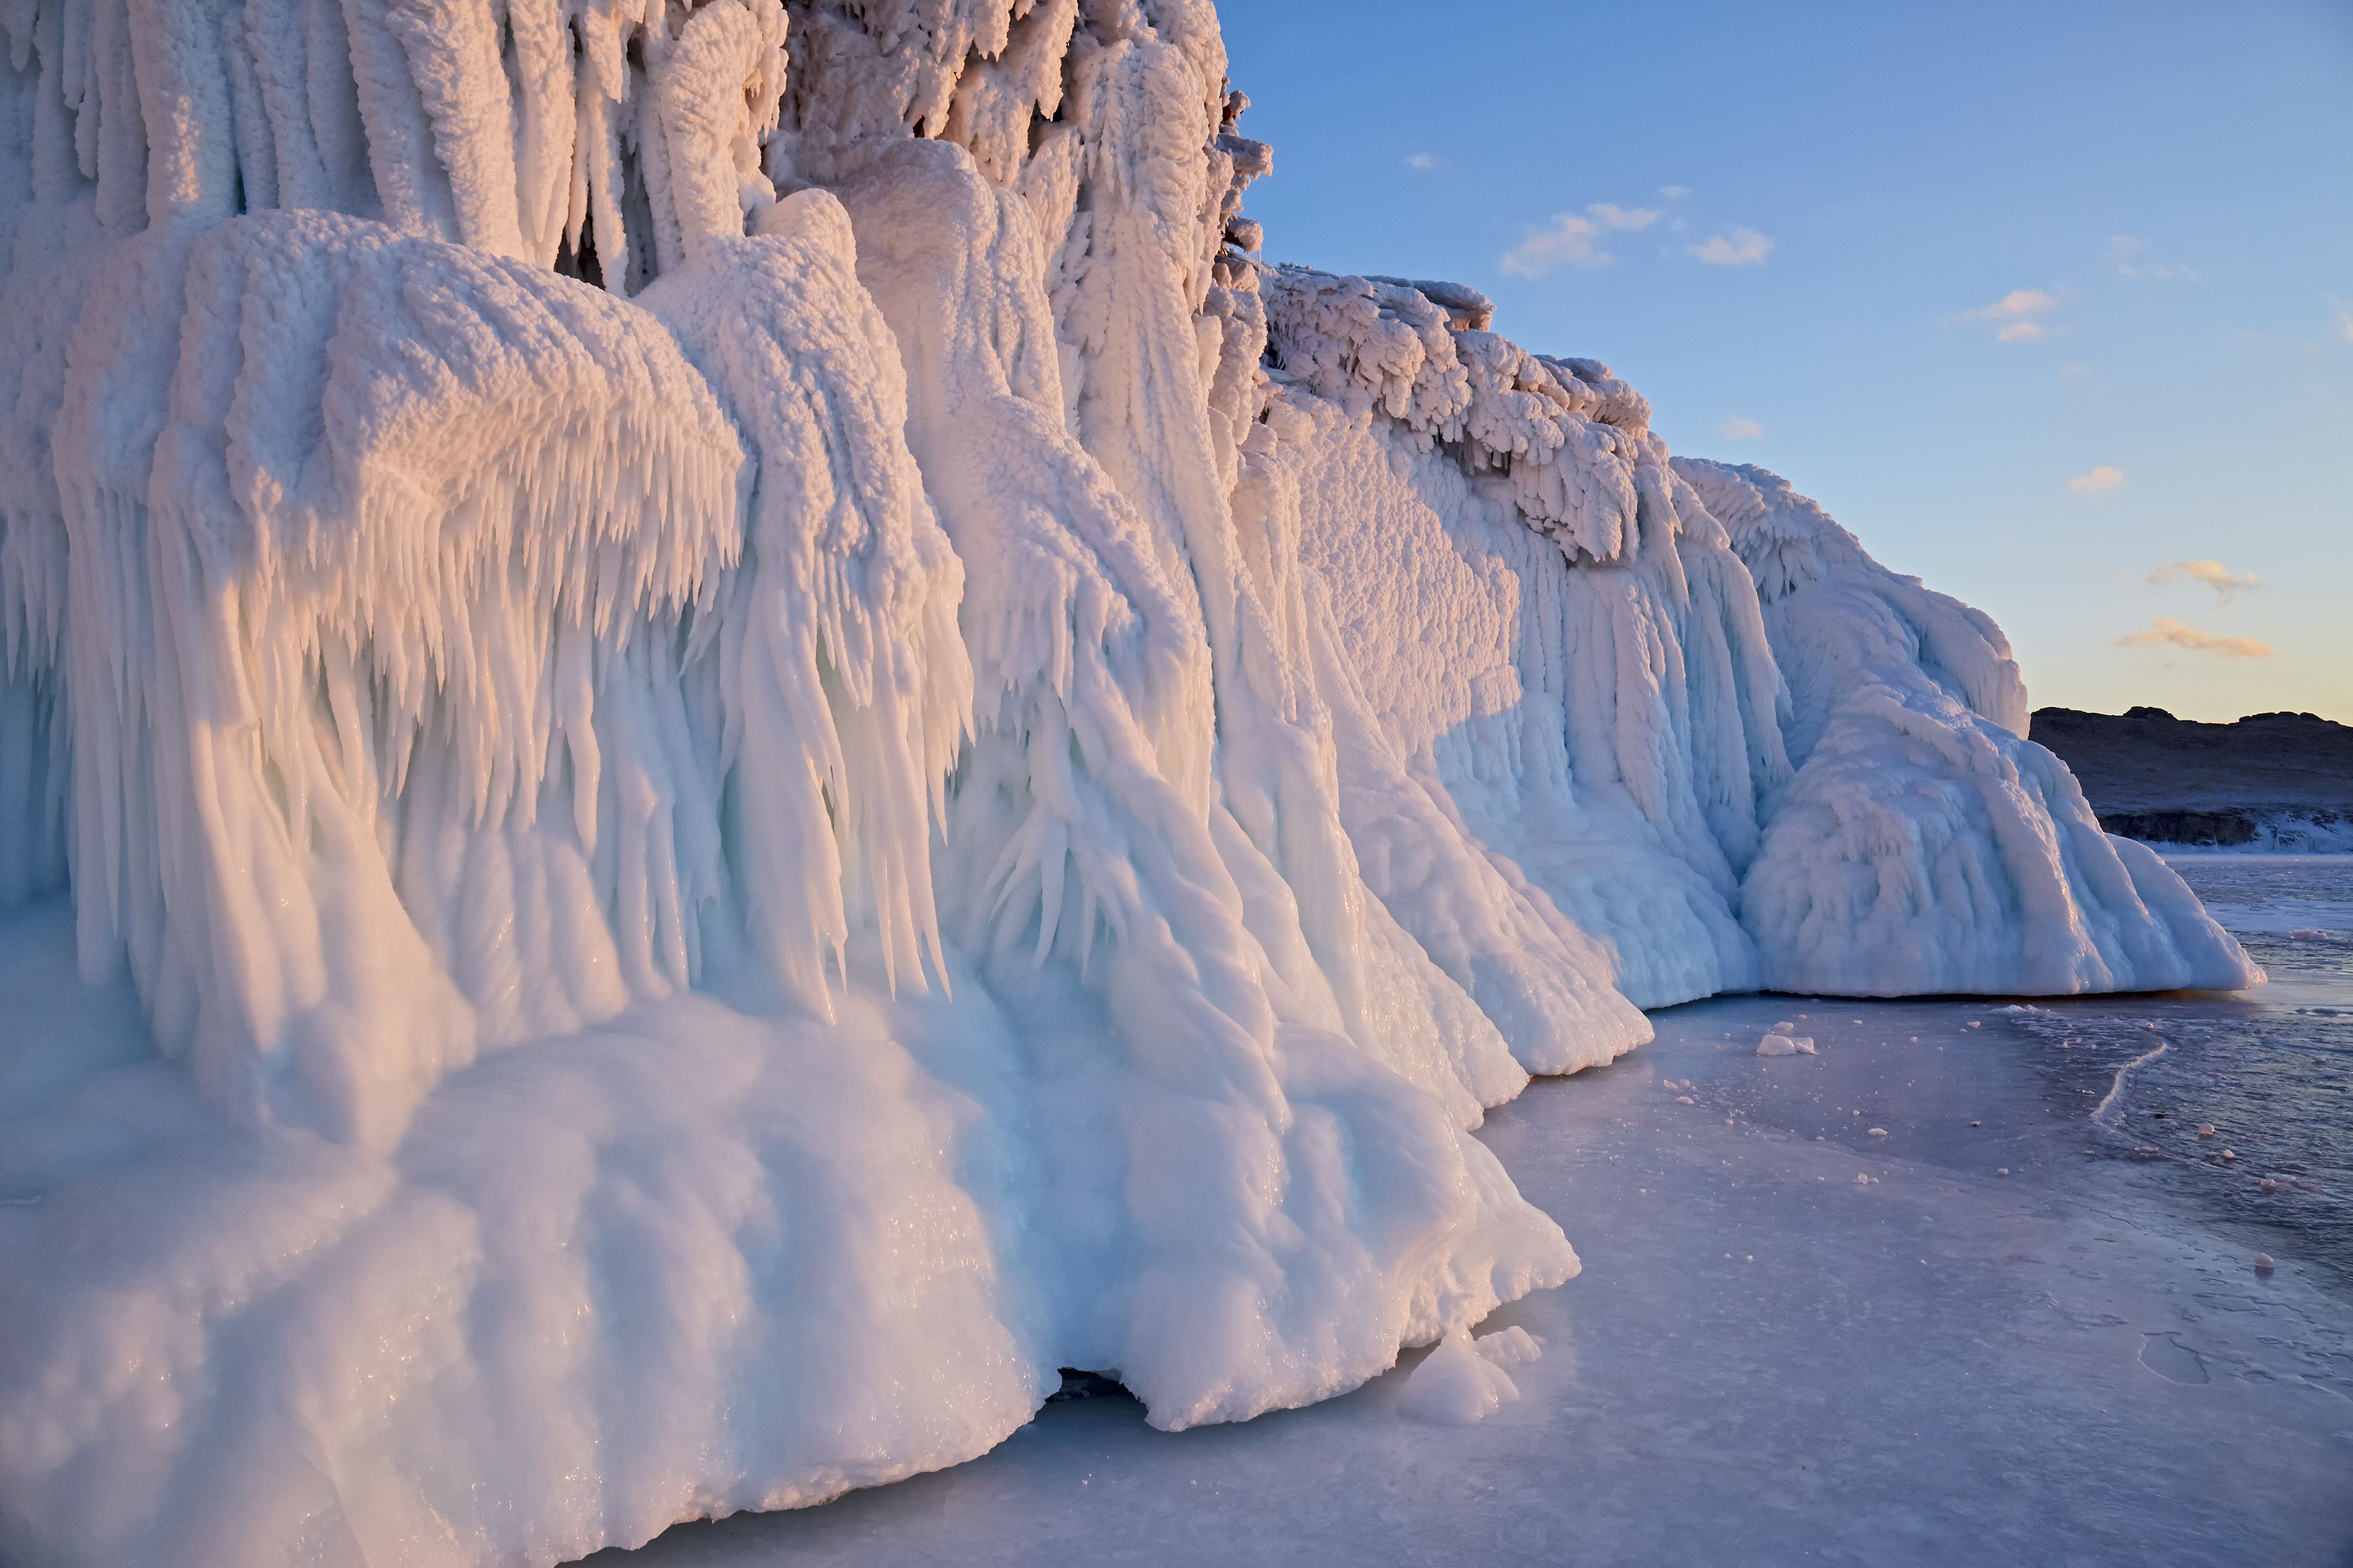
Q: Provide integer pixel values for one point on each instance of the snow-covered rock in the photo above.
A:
(771, 744)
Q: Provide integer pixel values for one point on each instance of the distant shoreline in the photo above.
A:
(2268, 784)
(2238, 830)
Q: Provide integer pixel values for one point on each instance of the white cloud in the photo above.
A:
(2106, 477)
(1674, 193)
(2075, 371)
(1420, 161)
(1741, 247)
(1574, 239)
(2018, 302)
(1738, 430)
(2015, 314)
(2167, 632)
(2344, 317)
(1571, 242)
(2018, 305)
(2213, 573)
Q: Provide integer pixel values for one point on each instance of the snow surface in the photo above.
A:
(746, 740)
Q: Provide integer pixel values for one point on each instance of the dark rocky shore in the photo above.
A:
(2152, 776)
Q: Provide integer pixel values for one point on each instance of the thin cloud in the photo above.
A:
(1575, 239)
(2016, 312)
(2213, 573)
(2344, 317)
(2167, 632)
(1610, 214)
(2106, 477)
(1738, 430)
(1674, 193)
(1741, 247)
(1420, 161)
(2126, 252)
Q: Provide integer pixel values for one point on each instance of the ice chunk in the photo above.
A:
(1508, 1348)
(1457, 1385)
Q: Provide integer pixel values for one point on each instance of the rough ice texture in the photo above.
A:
(751, 740)
(1925, 844)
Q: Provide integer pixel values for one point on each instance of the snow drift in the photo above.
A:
(745, 739)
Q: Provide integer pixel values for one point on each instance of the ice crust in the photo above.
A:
(772, 743)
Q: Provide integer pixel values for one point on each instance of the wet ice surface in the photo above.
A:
(1794, 1341)
(2269, 1071)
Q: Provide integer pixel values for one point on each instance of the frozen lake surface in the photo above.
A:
(1794, 1341)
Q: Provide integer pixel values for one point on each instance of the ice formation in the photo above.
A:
(1464, 1380)
(773, 743)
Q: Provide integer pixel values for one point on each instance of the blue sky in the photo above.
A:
(2036, 300)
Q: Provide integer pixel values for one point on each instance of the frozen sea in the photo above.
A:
(2023, 1325)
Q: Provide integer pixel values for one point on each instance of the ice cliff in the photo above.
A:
(772, 743)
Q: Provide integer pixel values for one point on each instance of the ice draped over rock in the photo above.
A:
(774, 743)
(1924, 844)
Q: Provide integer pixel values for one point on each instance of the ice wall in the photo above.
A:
(1632, 652)
(770, 743)
(1553, 648)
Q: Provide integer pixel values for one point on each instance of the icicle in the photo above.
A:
(116, 150)
(846, 688)
(546, 125)
(452, 52)
(408, 179)
(184, 105)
